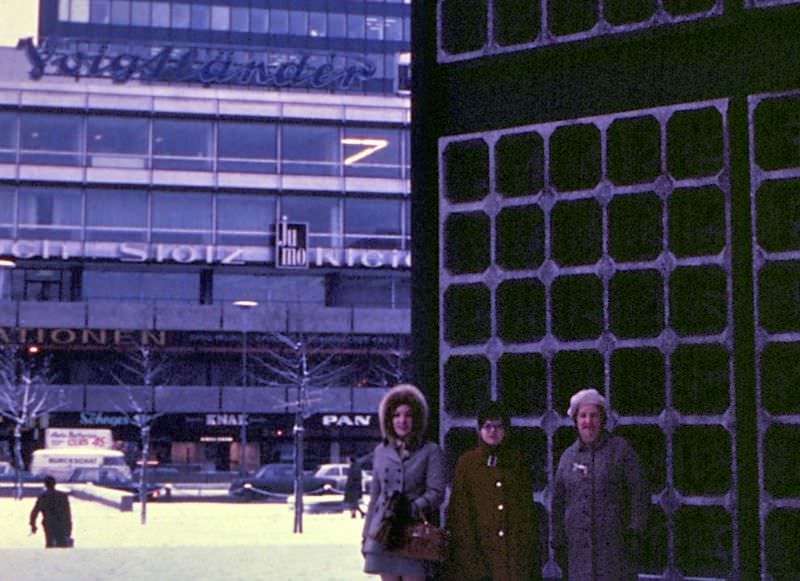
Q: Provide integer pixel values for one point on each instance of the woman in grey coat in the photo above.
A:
(599, 499)
(403, 463)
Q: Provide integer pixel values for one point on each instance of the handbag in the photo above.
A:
(423, 541)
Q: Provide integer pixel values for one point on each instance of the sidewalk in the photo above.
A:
(191, 541)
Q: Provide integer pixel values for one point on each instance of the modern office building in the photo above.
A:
(160, 161)
(617, 208)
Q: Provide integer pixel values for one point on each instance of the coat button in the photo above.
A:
(498, 484)
(500, 507)
(501, 533)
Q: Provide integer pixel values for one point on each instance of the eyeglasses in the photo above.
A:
(493, 426)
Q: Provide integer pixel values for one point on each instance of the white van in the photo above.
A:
(60, 462)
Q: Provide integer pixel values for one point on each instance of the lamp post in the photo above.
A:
(244, 305)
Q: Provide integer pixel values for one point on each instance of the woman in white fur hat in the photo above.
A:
(403, 463)
(599, 498)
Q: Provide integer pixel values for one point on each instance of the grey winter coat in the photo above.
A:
(599, 508)
(419, 475)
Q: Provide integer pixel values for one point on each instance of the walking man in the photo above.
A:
(57, 519)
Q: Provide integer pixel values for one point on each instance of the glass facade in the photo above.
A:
(201, 144)
(369, 31)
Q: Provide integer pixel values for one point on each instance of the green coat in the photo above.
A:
(492, 520)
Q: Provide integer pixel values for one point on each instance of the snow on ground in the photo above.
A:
(184, 541)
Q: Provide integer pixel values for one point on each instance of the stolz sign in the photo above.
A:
(190, 65)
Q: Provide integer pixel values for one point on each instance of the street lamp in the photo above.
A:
(244, 305)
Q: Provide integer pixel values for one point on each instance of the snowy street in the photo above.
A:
(191, 541)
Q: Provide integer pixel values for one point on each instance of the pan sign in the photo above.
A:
(346, 420)
(291, 245)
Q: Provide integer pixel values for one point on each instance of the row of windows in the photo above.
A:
(244, 19)
(223, 369)
(191, 218)
(202, 145)
(176, 286)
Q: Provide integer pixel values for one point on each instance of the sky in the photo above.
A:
(18, 19)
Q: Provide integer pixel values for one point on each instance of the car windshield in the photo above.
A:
(267, 471)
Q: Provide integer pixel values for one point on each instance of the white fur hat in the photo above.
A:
(585, 397)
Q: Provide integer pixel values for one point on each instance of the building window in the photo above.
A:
(100, 12)
(7, 212)
(141, 286)
(201, 17)
(355, 290)
(259, 20)
(178, 217)
(240, 19)
(120, 12)
(310, 149)
(220, 18)
(117, 142)
(337, 25)
(298, 22)
(8, 137)
(52, 214)
(116, 215)
(245, 220)
(30, 284)
(269, 288)
(374, 26)
(371, 223)
(79, 11)
(247, 147)
(355, 26)
(181, 16)
(160, 14)
(140, 13)
(317, 24)
(50, 138)
(181, 144)
(372, 152)
(279, 21)
(321, 214)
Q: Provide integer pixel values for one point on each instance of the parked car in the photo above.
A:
(337, 472)
(113, 479)
(276, 481)
(8, 474)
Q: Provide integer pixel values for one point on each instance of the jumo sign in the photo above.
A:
(190, 65)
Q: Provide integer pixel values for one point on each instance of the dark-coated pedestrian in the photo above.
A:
(599, 499)
(353, 488)
(408, 482)
(491, 515)
(56, 516)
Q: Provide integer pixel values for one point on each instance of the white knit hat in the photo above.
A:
(585, 397)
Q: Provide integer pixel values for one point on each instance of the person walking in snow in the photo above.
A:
(57, 518)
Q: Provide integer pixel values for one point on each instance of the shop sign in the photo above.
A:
(101, 419)
(347, 420)
(207, 253)
(291, 245)
(170, 64)
(111, 337)
(78, 437)
(226, 419)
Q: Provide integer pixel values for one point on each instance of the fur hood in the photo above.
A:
(398, 395)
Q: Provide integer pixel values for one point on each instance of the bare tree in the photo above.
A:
(391, 368)
(25, 396)
(300, 362)
(141, 372)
